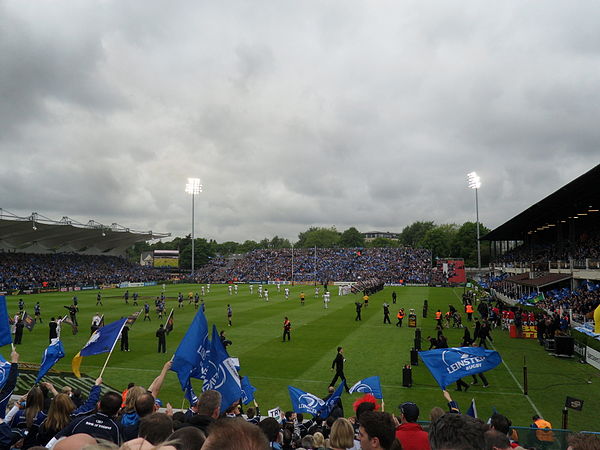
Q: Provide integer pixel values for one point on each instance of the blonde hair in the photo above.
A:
(132, 395)
(59, 414)
(342, 434)
(319, 439)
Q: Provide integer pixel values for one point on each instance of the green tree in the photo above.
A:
(319, 237)
(413, 234)
(464, 244)
(383, 242)
(203, 252)
(352, 238)
(227, 248)
(439, 239)
(248, 246)
(278, 242)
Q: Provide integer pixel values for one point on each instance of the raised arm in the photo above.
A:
(154, 388)
(9, 385)
(92, 400)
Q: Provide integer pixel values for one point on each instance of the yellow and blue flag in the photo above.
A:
(103, 340)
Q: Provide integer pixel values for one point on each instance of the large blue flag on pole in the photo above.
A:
(103, 340)
(52, 354)
(448, 365)
(222, 375)
(191, 355)
(5, 335)
(369, 385)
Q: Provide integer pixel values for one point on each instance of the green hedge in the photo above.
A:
(585, 339)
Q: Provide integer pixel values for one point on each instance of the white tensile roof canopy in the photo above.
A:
(39, 234)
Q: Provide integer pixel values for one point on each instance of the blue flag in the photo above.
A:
(52, 354)
(304, 402)
(4, 370)
(247, 391)
(5, 335)
(472, 411)
(102, 340)
(448, 365)
(189, 394)
(221, 374)
(369, 385)
(192, 353)
(331, 402)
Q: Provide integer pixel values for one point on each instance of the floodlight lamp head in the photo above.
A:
(474, 180)
(193, 186)
(34, 227)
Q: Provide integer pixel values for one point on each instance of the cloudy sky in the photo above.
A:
(293, 113)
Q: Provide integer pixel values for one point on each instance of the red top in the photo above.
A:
(412, 436)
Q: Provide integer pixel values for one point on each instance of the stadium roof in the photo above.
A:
(39, 234)
(577, 197)
(545, 279)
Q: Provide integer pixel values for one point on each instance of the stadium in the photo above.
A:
(537, 299)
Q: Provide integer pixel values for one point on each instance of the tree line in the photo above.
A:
(444, 240)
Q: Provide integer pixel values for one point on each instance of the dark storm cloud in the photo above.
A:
(293, 114)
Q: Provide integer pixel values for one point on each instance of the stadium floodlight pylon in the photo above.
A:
(475, 183)
(193, 187)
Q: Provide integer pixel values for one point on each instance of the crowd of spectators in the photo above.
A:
(133, 420)
(323, 264)
(28, 271)
(581, 301)
(543, 253)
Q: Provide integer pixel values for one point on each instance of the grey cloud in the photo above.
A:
(293, 114)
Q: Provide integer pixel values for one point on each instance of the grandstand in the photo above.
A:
(392, 265)
(555, 242)
(40, 254)
(548, 256)
(39, 234)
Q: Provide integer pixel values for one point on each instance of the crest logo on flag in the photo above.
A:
(93, 338)
(309, 401)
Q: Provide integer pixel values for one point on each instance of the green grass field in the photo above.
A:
(371, 348)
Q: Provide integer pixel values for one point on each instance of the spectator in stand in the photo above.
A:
(272, 430)
(342, 435)
(409, 433)
(187, 438)
(391, 265)
(207, 411)
(376, 431)
(234, 434)
(51, 271)
(456, 431)
(154, 429)
(101, 425)
(495, 440)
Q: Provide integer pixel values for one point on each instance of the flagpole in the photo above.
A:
(111, 350)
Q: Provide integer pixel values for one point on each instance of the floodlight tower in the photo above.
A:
(475, 183)
(193, 187)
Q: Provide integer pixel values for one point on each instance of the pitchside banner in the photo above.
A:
(448, 365)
